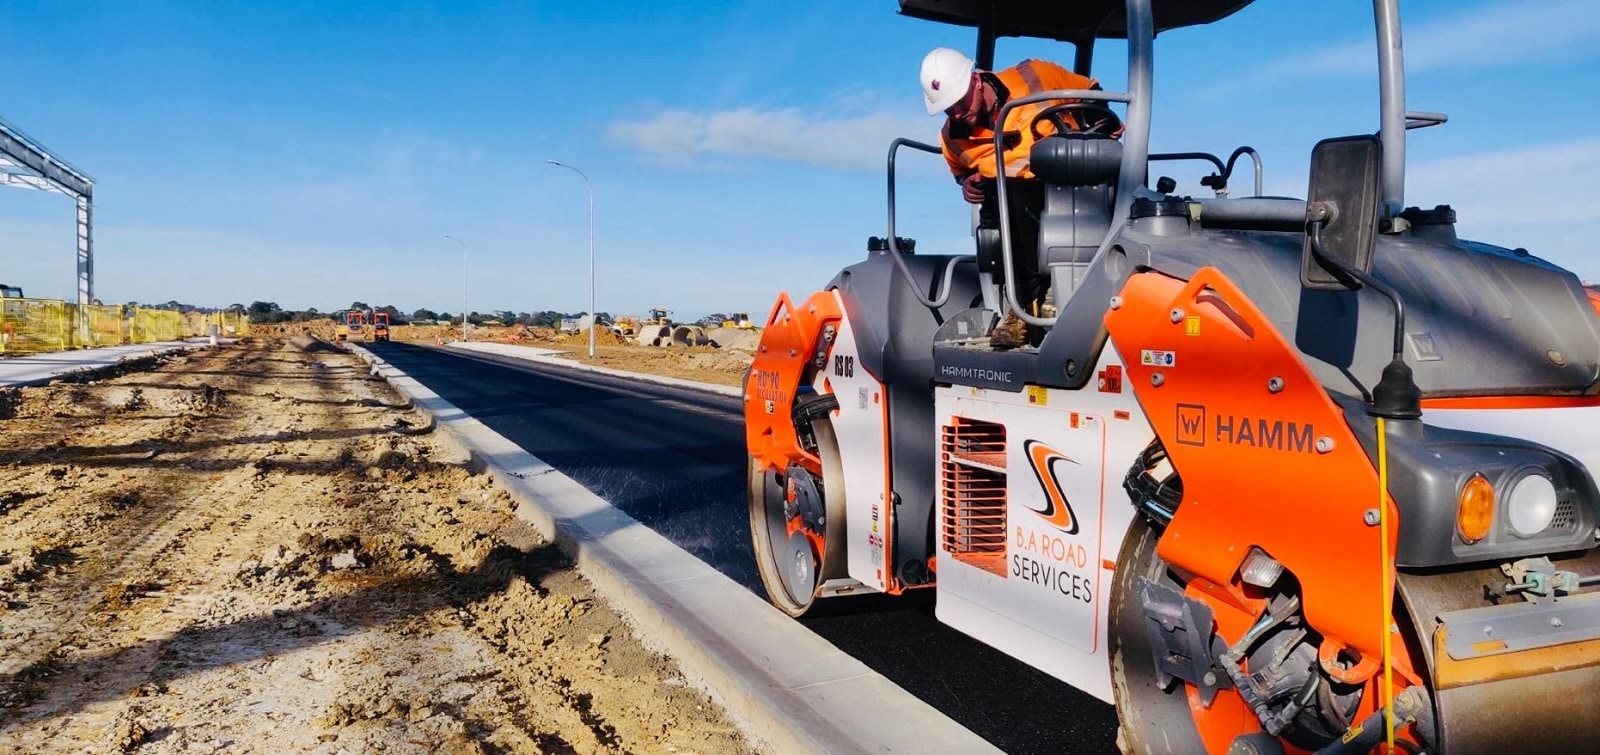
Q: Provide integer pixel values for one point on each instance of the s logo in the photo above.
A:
(1057, 511)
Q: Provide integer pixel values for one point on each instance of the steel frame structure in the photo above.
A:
(27, 164)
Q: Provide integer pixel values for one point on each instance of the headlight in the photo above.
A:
(1531, 505)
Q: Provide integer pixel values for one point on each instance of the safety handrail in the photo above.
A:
(1223, 169)
(1007, 266)
(894, 244)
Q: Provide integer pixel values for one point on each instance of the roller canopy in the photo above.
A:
(1065, 19)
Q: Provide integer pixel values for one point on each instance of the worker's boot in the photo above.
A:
(1010, 333)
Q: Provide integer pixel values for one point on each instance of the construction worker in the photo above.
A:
(970, 99)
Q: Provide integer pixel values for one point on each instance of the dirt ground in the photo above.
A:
(261, 549)
(702, 363)
(706, 364)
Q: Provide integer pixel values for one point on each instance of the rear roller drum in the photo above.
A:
(1179, 687)
(1152, 719)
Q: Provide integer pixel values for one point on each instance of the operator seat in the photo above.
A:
(1080, 172)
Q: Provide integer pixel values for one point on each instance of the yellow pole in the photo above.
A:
(1384, 570)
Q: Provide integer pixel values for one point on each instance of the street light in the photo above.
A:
(594, 320)
(463, 285)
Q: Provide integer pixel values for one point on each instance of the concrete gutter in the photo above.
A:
(550, 356)
(790, 690)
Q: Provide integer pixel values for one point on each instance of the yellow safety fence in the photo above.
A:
(31, 326)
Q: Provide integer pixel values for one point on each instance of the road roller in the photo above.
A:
(1269, 474)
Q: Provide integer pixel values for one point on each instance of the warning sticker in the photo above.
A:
(1153, 358)
(1111, 379)
(1191, 326)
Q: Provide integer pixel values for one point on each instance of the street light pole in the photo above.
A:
(463, 285)
(594, 318)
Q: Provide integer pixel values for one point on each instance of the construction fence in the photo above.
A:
(32, 326)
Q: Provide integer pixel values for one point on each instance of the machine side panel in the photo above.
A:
(894, 341)
(777, 372)
(1257, 440)
(861, 425)
(1067, 451)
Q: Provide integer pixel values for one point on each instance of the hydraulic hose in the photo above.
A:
(1411, 706)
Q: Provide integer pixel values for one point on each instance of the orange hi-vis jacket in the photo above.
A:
(975, 151)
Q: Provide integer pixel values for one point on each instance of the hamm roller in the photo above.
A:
(1278, 475)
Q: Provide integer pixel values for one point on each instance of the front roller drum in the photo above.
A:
(1545, 700)
(797, 525)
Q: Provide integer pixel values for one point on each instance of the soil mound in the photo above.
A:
(310, 344)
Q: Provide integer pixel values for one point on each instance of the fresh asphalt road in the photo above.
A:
(675, 460)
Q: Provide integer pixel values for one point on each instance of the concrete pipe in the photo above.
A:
(689, 335)
(654, 335)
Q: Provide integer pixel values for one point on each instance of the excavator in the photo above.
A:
(1277, 475)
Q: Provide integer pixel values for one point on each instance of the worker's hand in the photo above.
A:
(974, 188)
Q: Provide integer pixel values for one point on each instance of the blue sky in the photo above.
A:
(314, 153)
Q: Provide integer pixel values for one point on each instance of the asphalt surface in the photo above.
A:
(675, 460)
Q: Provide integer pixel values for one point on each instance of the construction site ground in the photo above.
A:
(699, 363)
(724, 364)
(262, 549)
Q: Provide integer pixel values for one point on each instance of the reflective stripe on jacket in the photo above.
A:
(975, 152)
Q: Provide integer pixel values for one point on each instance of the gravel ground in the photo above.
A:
(260, 549)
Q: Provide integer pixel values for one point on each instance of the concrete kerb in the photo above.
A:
(789, 689)
(547, 356)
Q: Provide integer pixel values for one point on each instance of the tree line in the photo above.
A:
(263, 312)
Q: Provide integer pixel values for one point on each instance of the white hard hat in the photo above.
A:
(946, 77)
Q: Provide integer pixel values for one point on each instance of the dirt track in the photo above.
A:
(259, 549)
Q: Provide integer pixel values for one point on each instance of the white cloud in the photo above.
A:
(1530, 197)
(1543, 183)
(1482, 36)
(839, 138)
